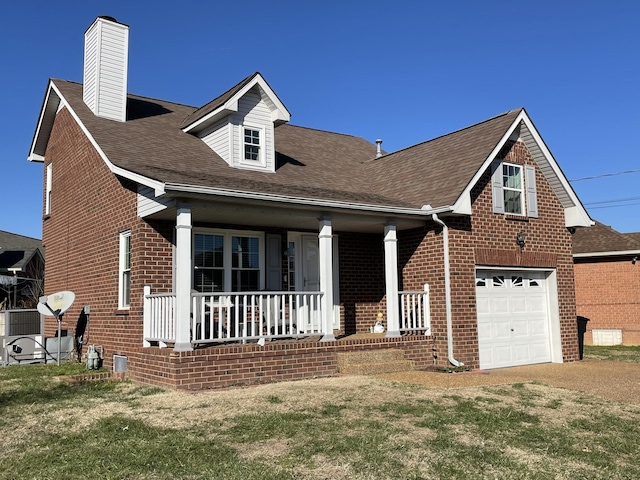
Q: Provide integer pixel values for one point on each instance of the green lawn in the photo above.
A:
(336, 428)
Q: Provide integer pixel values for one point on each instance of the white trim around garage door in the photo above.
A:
(518, 316)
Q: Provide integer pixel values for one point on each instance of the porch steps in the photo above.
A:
(372, 362)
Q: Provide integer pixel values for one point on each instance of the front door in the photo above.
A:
(310, 281)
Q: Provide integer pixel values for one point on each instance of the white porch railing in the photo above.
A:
(228, 316)
(223, 317)
(415, 312)
(159, 317)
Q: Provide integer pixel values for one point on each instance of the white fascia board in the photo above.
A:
(56, 98)
(575, 216)
(463, 204)
(606, 254)
(280, 114)
(156, 185)
(301, 201)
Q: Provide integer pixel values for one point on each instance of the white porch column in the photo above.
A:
(183, 279)
(325, 253)
(391, 278)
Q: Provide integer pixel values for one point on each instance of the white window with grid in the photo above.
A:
(124, 275)
(228, 261)
(252, 145)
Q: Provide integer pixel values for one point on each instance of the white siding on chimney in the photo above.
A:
(105, 73)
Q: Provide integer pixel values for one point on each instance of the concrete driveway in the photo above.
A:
(618, 381)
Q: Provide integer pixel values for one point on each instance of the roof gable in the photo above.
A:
(16, 251)
(227, 103)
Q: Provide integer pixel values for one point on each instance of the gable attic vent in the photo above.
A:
(106, 45)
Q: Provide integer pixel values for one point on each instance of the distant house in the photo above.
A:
(21, 271)
(220, 245)
(607, 272)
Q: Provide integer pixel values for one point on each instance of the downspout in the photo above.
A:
(447, 288)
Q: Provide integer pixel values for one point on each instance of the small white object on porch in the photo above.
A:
(391, 278)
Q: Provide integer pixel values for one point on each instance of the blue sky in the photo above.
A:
(403, 71)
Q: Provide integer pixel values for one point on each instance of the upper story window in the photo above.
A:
(513, 189)
(47, 198)
(251, 144)
(124, 276)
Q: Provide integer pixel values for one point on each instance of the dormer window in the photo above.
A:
(251, 144)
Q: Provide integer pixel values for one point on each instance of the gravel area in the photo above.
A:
(618, 381)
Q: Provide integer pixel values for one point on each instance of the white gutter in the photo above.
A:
(179, 188)
(606, 254)
(447, 288)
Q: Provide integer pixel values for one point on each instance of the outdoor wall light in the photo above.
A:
(633, 260)
(520, 238)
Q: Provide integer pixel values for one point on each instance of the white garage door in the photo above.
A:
(513, 318)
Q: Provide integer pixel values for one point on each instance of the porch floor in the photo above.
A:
(309, 339)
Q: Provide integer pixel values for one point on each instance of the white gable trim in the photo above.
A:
(279, 113)
(575, 214)
(45, 124)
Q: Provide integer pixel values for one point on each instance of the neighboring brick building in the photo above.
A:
(607, 273)
(255, 249)
(21, 271)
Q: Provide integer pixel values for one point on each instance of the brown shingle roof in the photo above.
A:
(216, 102)
(436, 172)
(310, 163)
(16, 250)
(603, 239)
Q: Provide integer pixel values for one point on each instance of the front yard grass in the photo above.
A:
(619, 353)
(335, 428)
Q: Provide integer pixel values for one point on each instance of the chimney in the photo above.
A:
(378, 148)
(106, 44)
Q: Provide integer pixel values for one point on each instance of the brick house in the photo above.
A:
(221, 245)
(608, 284)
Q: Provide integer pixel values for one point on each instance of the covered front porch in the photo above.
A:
(262, 271)
(257, 317)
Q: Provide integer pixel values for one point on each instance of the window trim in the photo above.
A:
(520, 190)
(124, 285)
(47, 198)
(261, 161)
(528, 193)
(227, 254)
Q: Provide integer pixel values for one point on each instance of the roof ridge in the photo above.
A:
(133, 95)
(454, 132)
(323, 131)
(203, 108)
(20, 235)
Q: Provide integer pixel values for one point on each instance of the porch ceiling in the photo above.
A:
(257, 213)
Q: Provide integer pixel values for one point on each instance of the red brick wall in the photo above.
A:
(227, 366)
(89, 207)
(608, 294)
(488, 239)
(362, 284)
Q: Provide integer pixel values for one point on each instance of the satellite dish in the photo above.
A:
(57, 303)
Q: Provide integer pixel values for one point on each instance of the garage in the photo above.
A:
(513, 318)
